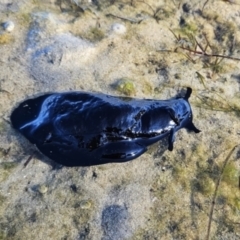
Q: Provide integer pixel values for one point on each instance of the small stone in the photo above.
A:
(85, 204)
(186, 7)
(42, 189)
(8, 26)
(126, 86)
(118, 28)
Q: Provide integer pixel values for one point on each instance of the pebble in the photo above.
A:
(118, 28)
(8, 26)
(42, 189)
(85, 204)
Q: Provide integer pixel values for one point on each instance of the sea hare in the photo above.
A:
(84, 129)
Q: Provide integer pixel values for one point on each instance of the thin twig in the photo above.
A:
(221, 108)
(239, 182)
(189, 58)
(148, 6)
(5, 120)
(208, 43)
(201, 78)
(27, 161)
(204, 5)
(216, 191)
(203, 50)
(123, 18)
(210, 55)
(200, 46)
(177, 37)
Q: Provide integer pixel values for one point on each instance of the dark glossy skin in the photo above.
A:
(84, 129)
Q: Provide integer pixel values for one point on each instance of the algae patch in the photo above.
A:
(231, 174)
(125, 86)
(6, 38)
(2, 199)
(204, 184)
(6, 169)
(94, 34)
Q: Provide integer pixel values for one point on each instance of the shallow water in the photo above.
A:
(129, 48)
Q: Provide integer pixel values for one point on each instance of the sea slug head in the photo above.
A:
(183, 113)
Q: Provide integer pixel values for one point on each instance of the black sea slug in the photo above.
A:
(84, 129)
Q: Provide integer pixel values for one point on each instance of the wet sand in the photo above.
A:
(151, 49)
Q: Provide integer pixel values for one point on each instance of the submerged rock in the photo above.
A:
(8, 26)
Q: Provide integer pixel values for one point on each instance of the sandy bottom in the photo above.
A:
(151, 49)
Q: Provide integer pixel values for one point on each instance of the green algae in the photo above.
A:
(229, 191)
(94, 34)
(199, 181)
(181, 175)
(2, 199)
(216, 102)
(230, 174)
(162, 13)
(189, 29)
(6, 38)
(2, 127)
(147, 88)
(3, 235)
(126, 86)
(6, 168)
(204, 184)
(24, 18)
(229, 196)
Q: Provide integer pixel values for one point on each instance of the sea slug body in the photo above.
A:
(84, 129)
